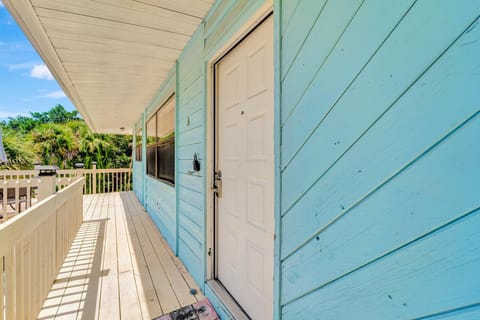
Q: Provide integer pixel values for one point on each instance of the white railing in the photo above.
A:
(21, 189)
(17, 193)
(97, 180)
(17, 174)
(33, 247)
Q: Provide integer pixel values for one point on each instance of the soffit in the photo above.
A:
(109, 56)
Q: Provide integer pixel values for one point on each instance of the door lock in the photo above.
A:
(217, 183)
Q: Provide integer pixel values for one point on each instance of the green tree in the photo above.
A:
(19, 150)
(60, 137)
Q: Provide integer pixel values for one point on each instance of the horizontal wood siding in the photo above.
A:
(380, 165)
(137, 179)
(137, 166)
(191, 133)
(188, 81)
(159, 196)
(160, 205)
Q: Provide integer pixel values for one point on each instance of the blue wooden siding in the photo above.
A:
(380, 163)
(186, 202)
(160, 205)
(191, 140)
(159, 198)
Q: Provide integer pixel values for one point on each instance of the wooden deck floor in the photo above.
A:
(119, 267)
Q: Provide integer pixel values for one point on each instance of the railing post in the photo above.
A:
(94, 177)
(48, 178)
(80, 173)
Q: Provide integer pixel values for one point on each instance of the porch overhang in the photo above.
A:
(109, 56)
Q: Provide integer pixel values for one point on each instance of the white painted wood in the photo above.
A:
(146, 274)
(2, 291)
(26, 261)
(109, 56)
(19, 185)
(16, 195)
(245, 157)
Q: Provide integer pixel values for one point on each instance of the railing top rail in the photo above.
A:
(9, 173)
(17, 172)
(31, 182)
(108, 170)
(17, 227)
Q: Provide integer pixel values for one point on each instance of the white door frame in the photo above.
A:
(254, 21)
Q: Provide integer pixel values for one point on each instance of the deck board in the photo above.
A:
(119, 267)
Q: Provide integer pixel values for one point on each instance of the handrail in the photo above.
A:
(104, 180)
(17, 174)
(96, 180)
(33, 246)
(14, 193)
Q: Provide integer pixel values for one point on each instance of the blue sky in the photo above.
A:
(26, 84)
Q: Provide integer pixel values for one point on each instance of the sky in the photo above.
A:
(26, 84)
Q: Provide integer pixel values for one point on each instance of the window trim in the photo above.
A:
(138, 145)
(157, 142)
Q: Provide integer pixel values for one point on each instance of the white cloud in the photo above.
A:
(54, 95)
(1, 4)
(41, 71)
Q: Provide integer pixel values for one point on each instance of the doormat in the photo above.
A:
(202, 310)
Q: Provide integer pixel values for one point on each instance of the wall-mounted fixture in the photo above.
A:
(196, 163)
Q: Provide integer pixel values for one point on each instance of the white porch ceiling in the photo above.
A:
(109, 56)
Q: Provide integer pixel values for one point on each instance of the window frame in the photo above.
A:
(154, 171)
(138, 145)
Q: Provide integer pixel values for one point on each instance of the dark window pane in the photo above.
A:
(166, 160)
(138, 153)
(138, 145)
(151, 160)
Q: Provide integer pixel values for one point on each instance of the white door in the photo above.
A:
(244, 137)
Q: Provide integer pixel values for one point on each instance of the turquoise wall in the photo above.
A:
(380, 159)
(188, 80)
(191, 140)
(160, 205)
(378, 169)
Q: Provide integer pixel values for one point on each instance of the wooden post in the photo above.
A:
(47, 186)
(80, 173)
(94, 177)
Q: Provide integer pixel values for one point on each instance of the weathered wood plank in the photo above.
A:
(110, 300)
(288, 9)
(352, 238)
(393, 79)
(147, 270)
(166, 295)
(316, 68)
(302, 20)
(390, 287)
(177, 282)
(129, 297)
(356, 173)
(330, 25)
(147, 293)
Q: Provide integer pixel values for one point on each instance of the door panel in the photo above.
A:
(245, 155)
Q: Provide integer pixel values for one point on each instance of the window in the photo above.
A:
(151, 145)
(161, 142)
(138, 145)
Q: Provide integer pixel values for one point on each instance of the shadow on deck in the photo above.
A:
(118, 267)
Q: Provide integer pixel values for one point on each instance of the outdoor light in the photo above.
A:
(46, 170)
